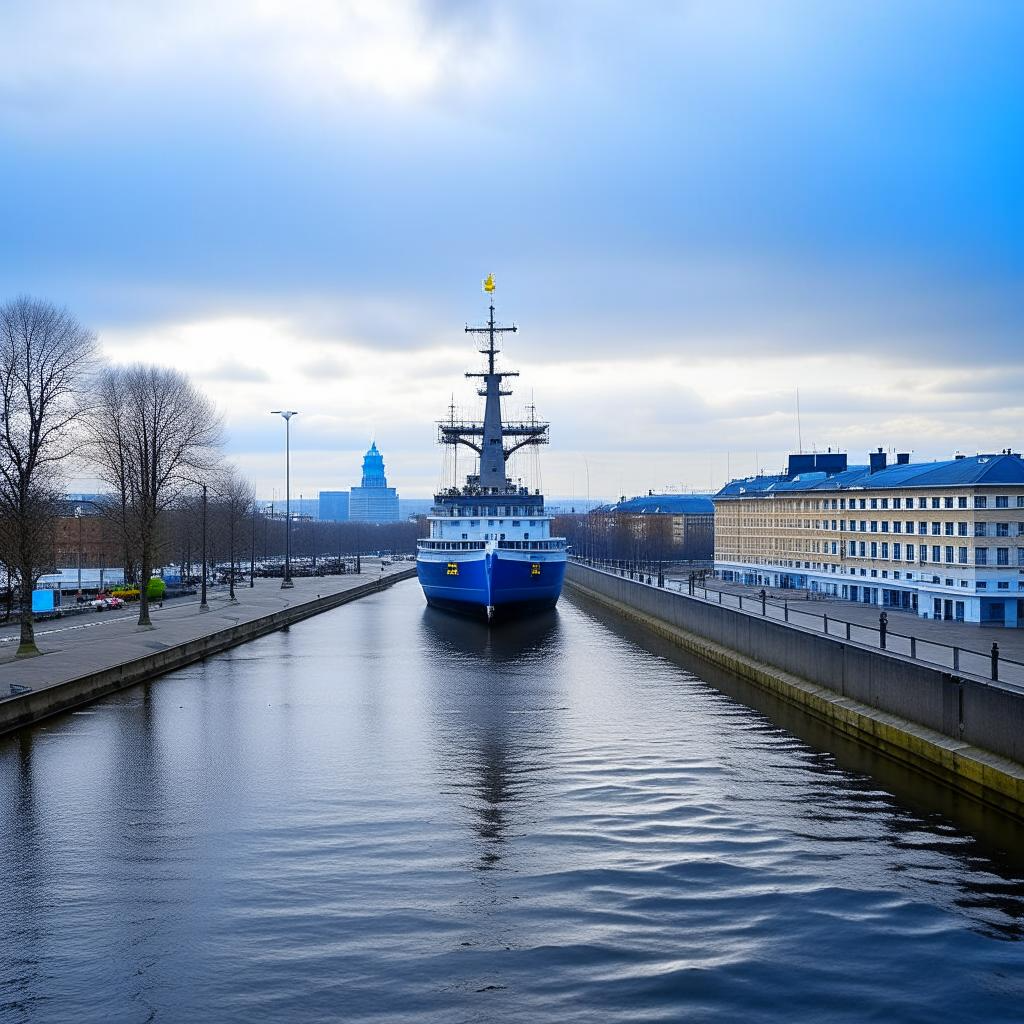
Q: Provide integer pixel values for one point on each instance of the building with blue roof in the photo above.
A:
(944, 539)
(678, 526)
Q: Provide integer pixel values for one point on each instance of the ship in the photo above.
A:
(490, 552)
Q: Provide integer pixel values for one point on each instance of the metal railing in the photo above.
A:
(989, 664)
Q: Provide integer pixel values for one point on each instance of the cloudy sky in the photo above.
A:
(692, 209)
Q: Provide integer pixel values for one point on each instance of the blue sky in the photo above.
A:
(691, 209)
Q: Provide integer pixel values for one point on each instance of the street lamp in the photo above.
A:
(203, 606)
(287, 414)
(78, 516)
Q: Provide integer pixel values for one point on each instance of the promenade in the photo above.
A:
(92, 642)
(934, 641)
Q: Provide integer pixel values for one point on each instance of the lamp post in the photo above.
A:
(287, 414)
(78, 516)
(203, 606)
(252, 555)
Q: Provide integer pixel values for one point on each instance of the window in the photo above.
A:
(1020, 501)
(936, 553)
(885, 550)
(874, 503)
(961, 529)
(949, 557)
(874, 526)
(1002, 501)
(896, 552)
(980, 529)
(885, 503)
(909, 525)
(1020, 556)
(862, 549)
(1002, 585)
(980, 501)
(947, 502)
(1002, 529)
(897, 526)
(874, 549)
(961, 502)
(1002, 556)
(885, 526)
(923, 548)
(935, 503)
(516, 522)
(948, 529)
(910, 502)
(922, 528)
(936, 529)
(961, 555)
(922, 502)
(981, 556)
(897, 502)
(863, 526)
(910, 552)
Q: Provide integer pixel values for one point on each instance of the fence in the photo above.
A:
(988, 664)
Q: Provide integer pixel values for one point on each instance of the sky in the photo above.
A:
(691, 209)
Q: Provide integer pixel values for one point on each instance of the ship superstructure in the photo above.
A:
(490, 551)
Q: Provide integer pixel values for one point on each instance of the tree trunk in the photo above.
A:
(147, 571)
(27, 647)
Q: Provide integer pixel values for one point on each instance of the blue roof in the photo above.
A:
(668, 504)
(969, 471)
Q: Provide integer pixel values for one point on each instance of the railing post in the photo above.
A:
(847, 631)
(785, 610)
(824, 623)
(913, 646)
(719, 597)
(764, 600)
(995, 661)
(883, 625)
(956, 659)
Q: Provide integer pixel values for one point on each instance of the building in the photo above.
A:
(333, 507)
(373, 501)
(945, 539)
(677, 526)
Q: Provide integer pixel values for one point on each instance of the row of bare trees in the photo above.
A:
(147, 432)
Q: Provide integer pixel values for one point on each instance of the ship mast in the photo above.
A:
(487, 439)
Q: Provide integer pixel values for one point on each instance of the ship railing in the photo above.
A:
(540, 544)
(450, 545)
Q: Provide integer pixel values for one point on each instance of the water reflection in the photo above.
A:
(495, 730)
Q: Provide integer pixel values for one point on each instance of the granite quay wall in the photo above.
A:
(965, 730)
(26, 709)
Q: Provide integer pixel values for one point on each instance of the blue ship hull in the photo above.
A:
(491, 587)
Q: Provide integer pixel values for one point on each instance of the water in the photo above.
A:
(388, 814)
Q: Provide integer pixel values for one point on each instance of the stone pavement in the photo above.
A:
(91, 642)
(933, 640)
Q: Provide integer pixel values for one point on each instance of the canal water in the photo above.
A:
(388, 814)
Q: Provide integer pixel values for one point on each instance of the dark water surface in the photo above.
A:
(389, 814)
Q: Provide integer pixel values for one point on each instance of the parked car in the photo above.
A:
(102, 602)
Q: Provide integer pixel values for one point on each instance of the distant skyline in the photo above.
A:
(691, 210)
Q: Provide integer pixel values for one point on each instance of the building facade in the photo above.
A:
(944, 539)
(673, 526)
(333, 507)
(373, 501)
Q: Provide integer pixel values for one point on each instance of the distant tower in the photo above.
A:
(374, 501)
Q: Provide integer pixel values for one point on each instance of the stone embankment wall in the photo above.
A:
(966, 731)
(18, 712)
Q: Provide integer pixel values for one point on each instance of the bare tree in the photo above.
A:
(45, 360)
(151, 434)
(234, 500)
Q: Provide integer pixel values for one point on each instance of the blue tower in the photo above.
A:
(373, 501)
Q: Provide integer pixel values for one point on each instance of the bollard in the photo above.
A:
(913, 646)
(785, 610)
(719, 597)
(824, 623)
(995, 661)
(883, 625)
(956, 659)
(764, 600)
(847, 631)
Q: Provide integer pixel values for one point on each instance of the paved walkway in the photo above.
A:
(934, 642)
(91, 642)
